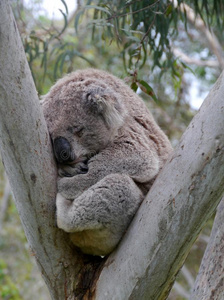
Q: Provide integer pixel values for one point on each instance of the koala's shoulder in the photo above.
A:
(137, 117)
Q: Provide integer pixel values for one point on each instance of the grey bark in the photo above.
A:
(183, 197)
(28, 160)
(210, 280)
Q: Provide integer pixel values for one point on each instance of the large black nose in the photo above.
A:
(63, 150)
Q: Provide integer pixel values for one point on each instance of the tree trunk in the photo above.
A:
(210, 279)
(28, 160)
(182, 199)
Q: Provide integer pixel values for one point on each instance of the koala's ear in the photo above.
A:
(107, 106)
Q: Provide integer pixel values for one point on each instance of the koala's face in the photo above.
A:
(82, 119)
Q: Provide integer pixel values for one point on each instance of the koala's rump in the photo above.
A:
(94, 242)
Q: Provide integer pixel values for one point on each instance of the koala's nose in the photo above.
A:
(62, 150)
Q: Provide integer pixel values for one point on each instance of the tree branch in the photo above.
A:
(204, 238)
(183, 197)
(199, 24)
(210, 280)
(28, 160)
(181, 290)
(198, 62)
(187, 275)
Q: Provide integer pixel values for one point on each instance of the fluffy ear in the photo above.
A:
(108, 106)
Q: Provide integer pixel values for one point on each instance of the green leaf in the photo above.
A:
(65, 5)
(98, 8)
(147, 89)
(134, 86)
(187, 67)
(133, 38)
(144, 56)
(169, 10)
(65, 23)
(56, 65)
(77, 17)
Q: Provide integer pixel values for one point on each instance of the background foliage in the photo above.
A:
(137, 41)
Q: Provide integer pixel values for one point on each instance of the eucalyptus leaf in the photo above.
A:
(146, 88)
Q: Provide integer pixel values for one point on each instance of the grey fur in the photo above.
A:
(108, 128)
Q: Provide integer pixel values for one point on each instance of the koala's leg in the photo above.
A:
(104, 211)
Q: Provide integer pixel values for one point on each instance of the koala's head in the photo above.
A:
(83, 117)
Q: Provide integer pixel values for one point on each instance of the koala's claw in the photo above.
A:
(73, 170)
(63, 173)
(83, 168)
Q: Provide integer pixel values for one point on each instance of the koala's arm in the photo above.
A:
(141, 167)
(99, 217)
(72, 170)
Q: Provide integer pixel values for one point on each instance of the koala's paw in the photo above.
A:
(73, 170)
(63, 206)
(67, 188)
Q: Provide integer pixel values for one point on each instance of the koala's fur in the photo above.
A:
(112, 149)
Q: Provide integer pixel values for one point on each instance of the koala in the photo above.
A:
(109, 151)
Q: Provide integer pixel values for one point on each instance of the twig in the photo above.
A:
(199, 24)
(133, 12)
(181, 291)
(190, 60)
(188, 276)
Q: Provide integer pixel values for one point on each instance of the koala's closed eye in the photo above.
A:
(79, 131)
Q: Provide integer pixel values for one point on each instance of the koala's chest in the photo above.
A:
(94, 242)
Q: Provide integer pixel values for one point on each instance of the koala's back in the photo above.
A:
(139, 122)
(138, 117)
(140, 128)
(139, 132)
